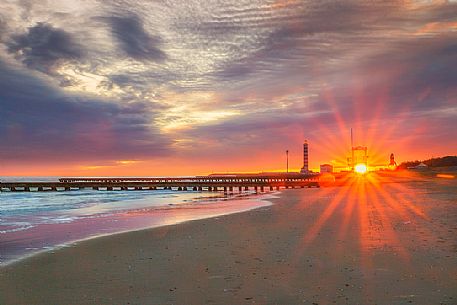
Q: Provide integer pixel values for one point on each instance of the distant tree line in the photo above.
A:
(433, 162)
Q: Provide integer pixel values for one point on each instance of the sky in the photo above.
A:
(130, 87)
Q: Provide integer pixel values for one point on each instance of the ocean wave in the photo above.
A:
(16, 229)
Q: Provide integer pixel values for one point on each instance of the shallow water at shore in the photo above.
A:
(36, 222)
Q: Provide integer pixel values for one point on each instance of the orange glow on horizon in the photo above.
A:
(446, 176)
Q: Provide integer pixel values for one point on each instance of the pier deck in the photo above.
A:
(199, 183)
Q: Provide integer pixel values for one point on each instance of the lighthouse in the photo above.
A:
(392, 164)
(392, 160)
(305, 168)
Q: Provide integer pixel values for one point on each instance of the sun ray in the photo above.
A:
(312, 233)
(389, 237)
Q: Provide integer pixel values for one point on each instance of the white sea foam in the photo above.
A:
(17, 229)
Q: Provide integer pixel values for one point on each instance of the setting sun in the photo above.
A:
(361, 168)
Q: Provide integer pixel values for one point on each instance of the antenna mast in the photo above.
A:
(352, 150)
(287, 161)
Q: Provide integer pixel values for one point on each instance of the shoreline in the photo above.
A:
(213, 206)
(321, 246)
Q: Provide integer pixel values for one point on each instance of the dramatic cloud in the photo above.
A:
(39, 123)
(44, 46)
(134, 40)
(208, 78)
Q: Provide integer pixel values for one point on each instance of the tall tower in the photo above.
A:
(305, 168)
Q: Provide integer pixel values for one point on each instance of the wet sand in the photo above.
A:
(373, 241)
(18, 244)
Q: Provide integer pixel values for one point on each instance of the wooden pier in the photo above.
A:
(225, 183)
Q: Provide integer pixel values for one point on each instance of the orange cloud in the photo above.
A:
(437, 27)
(280, 4)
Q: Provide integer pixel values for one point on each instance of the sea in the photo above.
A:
(33, 222)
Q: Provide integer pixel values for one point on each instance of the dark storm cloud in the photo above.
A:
(43, 46)
(39, 122)
(134, 40)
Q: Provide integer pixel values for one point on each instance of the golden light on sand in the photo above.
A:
(375, 205)
(360, 168)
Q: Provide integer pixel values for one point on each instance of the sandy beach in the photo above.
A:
(373, 241)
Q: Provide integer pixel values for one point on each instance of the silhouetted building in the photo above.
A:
(326, 168)
(421, 165)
